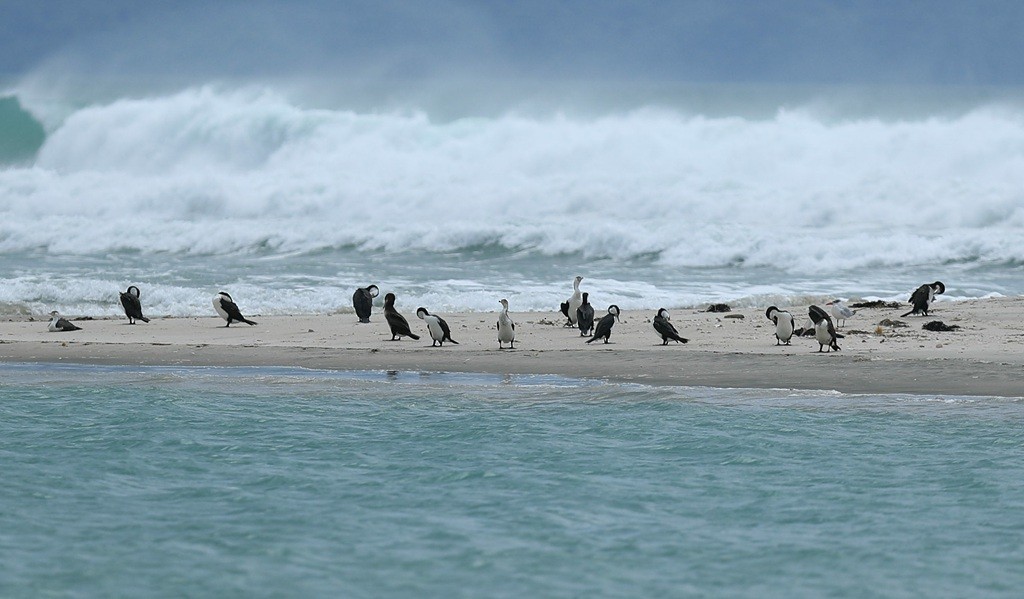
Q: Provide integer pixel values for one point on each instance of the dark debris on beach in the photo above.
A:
(939, 326)
(877, 304)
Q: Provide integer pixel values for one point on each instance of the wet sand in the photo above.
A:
(736, 349)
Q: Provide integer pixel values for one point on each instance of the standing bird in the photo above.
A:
(506, 328)
(572, 304)
(228, 309)
(585, 316)
(437, 327)
(58, 323)
(824, 332)
(132, 306)
(399, 325)
(924, 296)
(362, 301)
(784, 324)
(604, 326)
(666, 329)
(840, 312)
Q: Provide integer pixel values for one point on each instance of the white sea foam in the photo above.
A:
(212, 171)
(215, 172)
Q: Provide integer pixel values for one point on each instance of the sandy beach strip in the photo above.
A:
(985, 356)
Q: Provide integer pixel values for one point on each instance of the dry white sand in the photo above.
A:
(984, 357)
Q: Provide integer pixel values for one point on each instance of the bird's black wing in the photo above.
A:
(817, 314)
(399, 325)
(445, 330)
(66, 325)
(232, 309)
(604, 327)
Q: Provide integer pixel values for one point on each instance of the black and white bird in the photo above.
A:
(824, 331)
(438, 328)
(131, 304)
(399, 325)
(228, 309)
(665, 328)
(840, 312)
(923, 297)
(785, 326)
(572, 304)
(604, 326)
(585, 316)
(362, 301)
(506, 328)
(59, 324)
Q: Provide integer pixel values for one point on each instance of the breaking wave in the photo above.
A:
(216, 171)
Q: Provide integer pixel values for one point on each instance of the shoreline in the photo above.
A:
(985, 357)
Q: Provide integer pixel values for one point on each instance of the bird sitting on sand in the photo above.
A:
(666, 329)
(131, 304)
(506, 328)
(60, 324)
(438, 328)
(604, 326)
(923, 297)
(398, 324)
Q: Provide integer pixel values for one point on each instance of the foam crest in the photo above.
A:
(215, 171)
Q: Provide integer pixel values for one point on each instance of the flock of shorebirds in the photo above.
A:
(577, 309)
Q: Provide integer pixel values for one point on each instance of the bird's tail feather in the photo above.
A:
(249, 322)
(907, 314)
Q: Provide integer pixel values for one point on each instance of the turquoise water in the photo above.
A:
(121, 482)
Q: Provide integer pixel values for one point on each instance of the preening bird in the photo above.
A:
(362, 301)
(923, 296)
(785, 326)
(666, 329)
(824, 331)
(131, 304)
(228, 309)
(604, 326)
(398, 324)
(438, 328)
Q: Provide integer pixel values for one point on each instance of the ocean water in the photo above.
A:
(289, 201)
(171, 482)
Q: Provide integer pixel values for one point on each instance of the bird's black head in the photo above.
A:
(133, 290)
(769, 311)
(373, 291)
(389, 299)
(225, 294)
(421, 312)
(938, 287)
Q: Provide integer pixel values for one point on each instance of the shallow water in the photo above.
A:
(287, 482)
